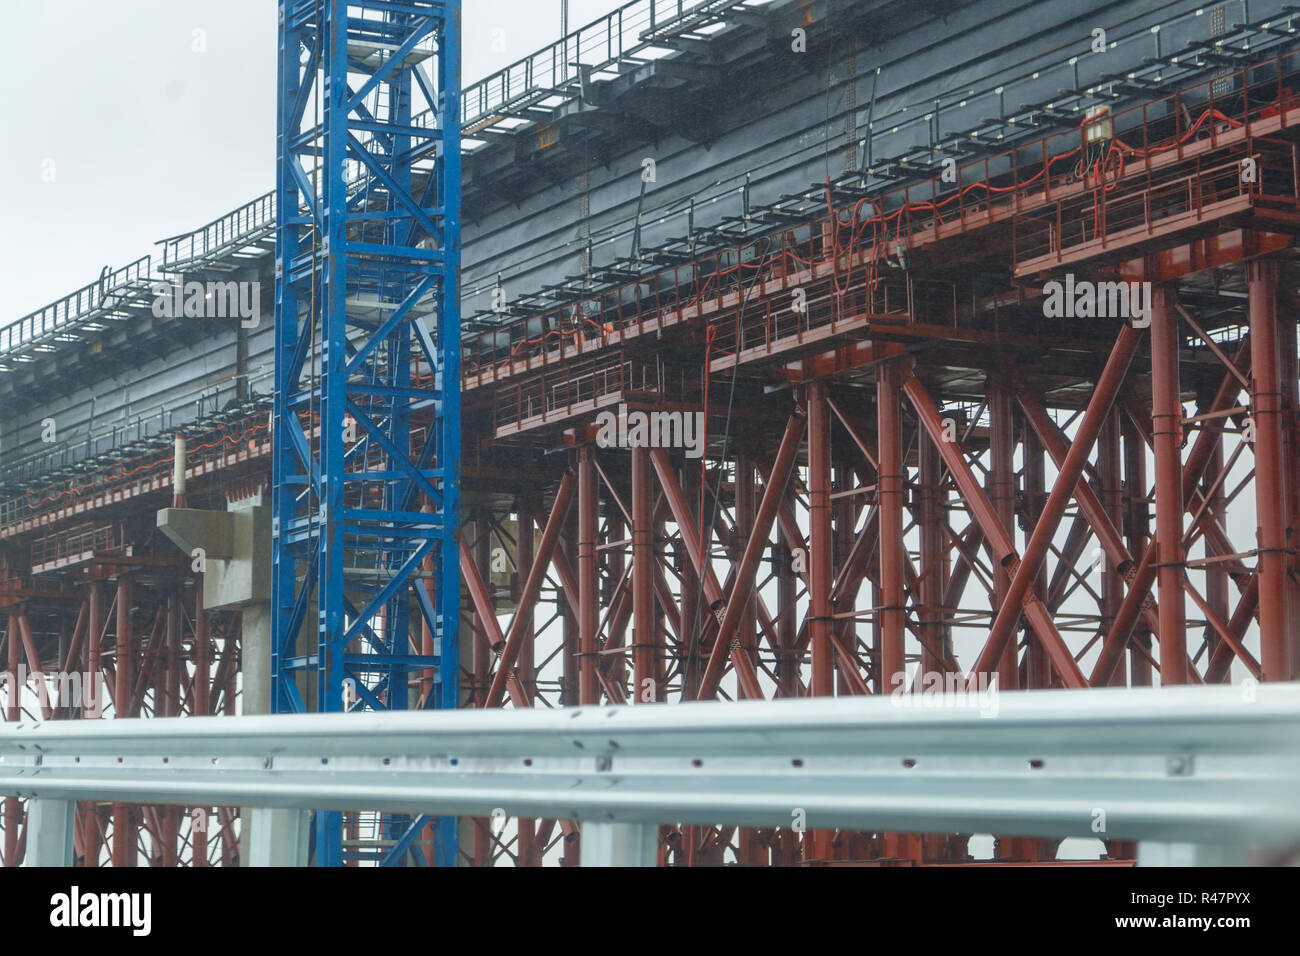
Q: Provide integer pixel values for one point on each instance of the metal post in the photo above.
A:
(619, 844)
(930, 515)
(49, 832)
(1153, 853)
(13, 713)
(819, 539)
(1166, 420)
(1270, 506)
(277, 837)
(645, 687)
(890, 504)
(1002, 493)
(1038, 664)
(124, 826)
(588, 577)
(1137, 527)
(530, 849)
(1112, 499)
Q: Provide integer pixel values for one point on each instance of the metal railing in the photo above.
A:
(631, 29)
(554, 71)
(246, 224)
(1211, 770)
(105, 297)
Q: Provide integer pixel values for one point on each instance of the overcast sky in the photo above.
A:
(147, 138)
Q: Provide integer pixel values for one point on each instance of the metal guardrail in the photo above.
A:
(1212, 770)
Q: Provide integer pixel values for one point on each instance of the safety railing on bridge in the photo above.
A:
(862, 243)
(209, 451)
(1177, 197)
(556, 69)
(104, 300)
(235, 230)
(552, 73)
(587, 386)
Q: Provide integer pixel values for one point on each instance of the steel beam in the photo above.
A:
(1167, 428)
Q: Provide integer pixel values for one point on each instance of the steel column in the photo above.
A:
(1266, 413)
(820, 542)
(1002, 493)
(891, 480)
(588, 576)
(1167, 415)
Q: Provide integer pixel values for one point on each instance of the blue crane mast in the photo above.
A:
(366, 467)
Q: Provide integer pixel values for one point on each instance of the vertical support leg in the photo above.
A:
(1216, 577)
(930, 516)
(619, 844)
(1038, 666)
(1270, 507)
(1002, 494)
(124, 827)
(1289, 379)
(277, 837)
(1166, 419)
(645, 686)
(1189, 854)
(480, 827)
(529, 850)
(787, 667)
(1137, 526)
(588, 577)
(820, 541)
(692, 615)
(13, 713)
(846, 513)
(49, 832)
(1111, 495)
(92, 834)
(481, 655)
(890, 503)
(749, 849)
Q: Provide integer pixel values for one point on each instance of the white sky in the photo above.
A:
(150, 139)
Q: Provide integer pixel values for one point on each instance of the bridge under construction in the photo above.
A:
(739, 350)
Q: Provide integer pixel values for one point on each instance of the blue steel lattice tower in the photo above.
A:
(366, 470)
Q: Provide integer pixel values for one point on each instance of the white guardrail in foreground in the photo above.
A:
(1198, 774)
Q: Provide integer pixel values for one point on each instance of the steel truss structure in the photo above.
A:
(367, 343)
(909, 474)
(134, 641)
